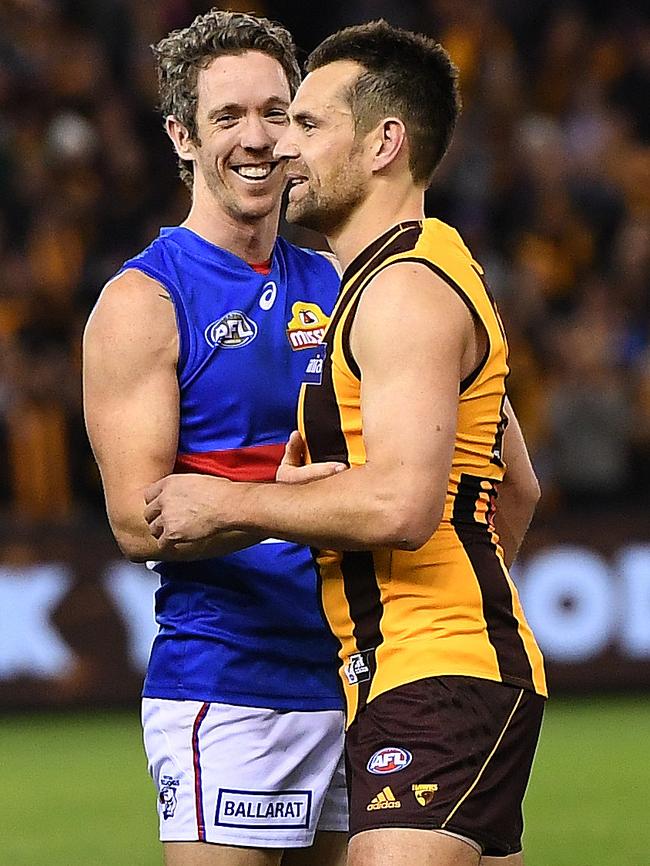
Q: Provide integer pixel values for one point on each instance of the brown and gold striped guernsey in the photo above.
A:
(449, 608)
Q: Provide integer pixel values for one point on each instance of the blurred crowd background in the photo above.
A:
(547, 180)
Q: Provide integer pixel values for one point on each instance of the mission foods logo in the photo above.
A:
(231, 331)
(270, 810)
(307, 325)
(389, 760)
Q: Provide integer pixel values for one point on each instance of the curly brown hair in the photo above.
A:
(183, 53)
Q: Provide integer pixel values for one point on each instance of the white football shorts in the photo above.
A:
(244, 776)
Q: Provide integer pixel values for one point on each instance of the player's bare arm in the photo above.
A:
(518, 492)
(131, 405)
(413, 340)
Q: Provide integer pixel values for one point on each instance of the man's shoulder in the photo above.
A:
(133, 321)
(441, 243)
(134, 301)
(132, 285)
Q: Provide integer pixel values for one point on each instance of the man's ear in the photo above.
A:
(180, 137)
(389, 142)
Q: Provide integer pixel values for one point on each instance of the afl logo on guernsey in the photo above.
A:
(231, 331)
(389, 760)
(306, 327)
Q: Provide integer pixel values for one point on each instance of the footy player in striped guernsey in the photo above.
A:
(444, 680)
(193, 360)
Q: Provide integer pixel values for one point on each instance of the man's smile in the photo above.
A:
(254, 172)
(294, 181)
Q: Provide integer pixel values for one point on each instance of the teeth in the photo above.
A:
(255, 172)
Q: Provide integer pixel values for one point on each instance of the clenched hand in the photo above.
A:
(186, 508)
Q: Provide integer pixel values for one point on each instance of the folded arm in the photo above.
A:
(131, 404)
(414, 341)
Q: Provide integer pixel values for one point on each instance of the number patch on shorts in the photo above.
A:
(273, 810)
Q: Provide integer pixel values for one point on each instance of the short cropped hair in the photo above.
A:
(407, 75)
(183, 53)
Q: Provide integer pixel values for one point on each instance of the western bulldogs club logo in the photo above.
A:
(231, 331)
(389, 760)
(167, 796)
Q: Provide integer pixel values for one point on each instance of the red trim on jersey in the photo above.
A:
(255, 463)
(196, 760)
(263, 268)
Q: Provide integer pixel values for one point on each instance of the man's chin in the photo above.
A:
(298, 214)
(257, 208)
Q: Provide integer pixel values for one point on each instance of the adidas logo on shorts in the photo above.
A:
(385, 799)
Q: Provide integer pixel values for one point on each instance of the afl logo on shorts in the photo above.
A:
(231, 331)
(389, 760)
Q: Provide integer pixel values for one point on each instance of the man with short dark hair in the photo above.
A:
(444, 680)
(193, 360)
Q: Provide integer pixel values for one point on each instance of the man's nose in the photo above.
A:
(255, 135)
(285, 146)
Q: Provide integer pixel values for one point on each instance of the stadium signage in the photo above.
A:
(578, 604)
(591, 615)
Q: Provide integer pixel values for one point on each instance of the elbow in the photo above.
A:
(412, 543)
(409, 526)
(132, 547)
(536, 493)
(532, 493)
(133, 552)
(416, 534)
(138, 556)
(526, 494)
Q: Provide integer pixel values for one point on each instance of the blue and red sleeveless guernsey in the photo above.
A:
(247, 628)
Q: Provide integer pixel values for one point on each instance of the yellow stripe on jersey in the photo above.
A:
(449, 608)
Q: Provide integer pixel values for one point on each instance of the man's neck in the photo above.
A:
(372, 218)
(252, 241)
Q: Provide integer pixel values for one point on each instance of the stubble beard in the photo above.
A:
(242, 209)
(327, 211)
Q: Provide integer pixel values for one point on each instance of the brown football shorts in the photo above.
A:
(450, 753)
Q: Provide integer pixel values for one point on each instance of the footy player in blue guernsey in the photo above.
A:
(193, 358)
